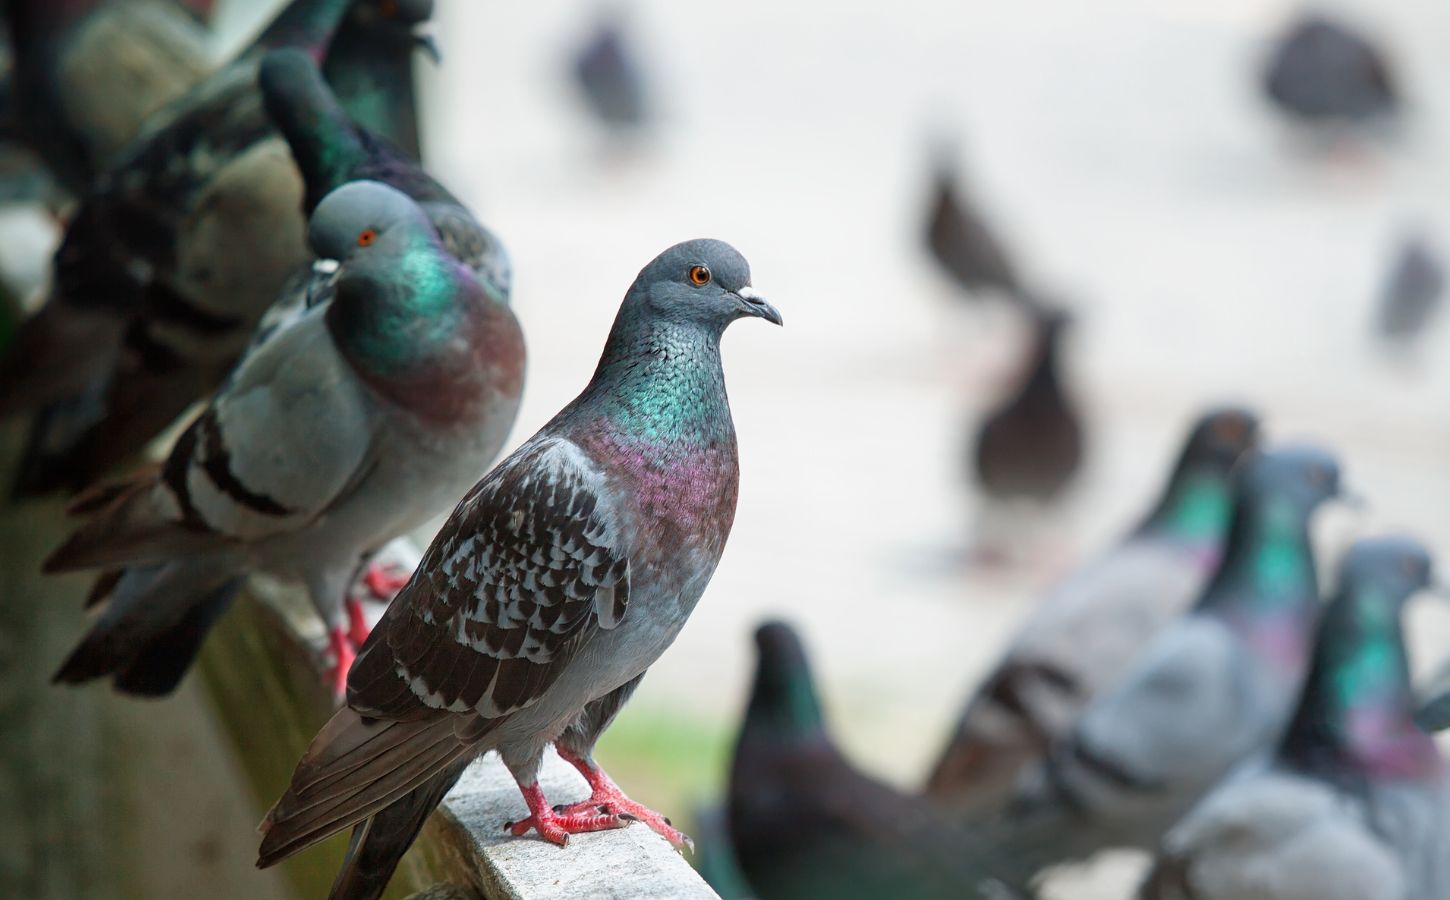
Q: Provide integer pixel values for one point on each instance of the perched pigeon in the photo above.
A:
(1356, 803)
(1031, 446)
(363, 419)
(805, 823)
(556, 582)
(609, 78)
(1412, 292)
(370, 63)
(962, 243)
(1323, 72)
(88, 74)
(1084, 634)
(1206, 693)
(165, 269)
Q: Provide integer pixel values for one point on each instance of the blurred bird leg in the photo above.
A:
(555, 827)
(384, 580)
(343, 654)
(358, 628)
(606, 797)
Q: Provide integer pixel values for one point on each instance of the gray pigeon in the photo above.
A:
(553, 586)
(609, 77)
(360, 421)
(1356, 803)
(1326, 73)
(1206, 693)
(1086, 631)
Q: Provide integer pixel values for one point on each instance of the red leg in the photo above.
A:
(343, 653)
(358, 628)
(383, 582)
(606, 798)
(554, 827)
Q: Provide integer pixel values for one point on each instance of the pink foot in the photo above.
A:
(555, 827)
(343, 654)
(606, 799)
(384, 581)
(358, 628)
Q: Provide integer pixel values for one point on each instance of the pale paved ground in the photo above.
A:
(1122, 150)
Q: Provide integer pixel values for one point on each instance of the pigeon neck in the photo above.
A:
(1043, 377)
(662, 383)
(305, 24)
(783, 705)
(1194, 509)
(423, 334)
(327, 146)
(370, 68)
(1357, 710)
(1266, 588)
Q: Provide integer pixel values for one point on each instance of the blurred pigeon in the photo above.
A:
(555, 583)
(1356, 804)
(1432, 712)
(1085, 633)
(609, 78)
(1412, 292)
(805, 823)
(370, 63)
(88, 74)
(360, 421)
(1206, 693)
(1031, 446)
(962, 243)
(152, 301)
(1323, 72)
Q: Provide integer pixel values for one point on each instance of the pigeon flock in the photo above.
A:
(272, 342)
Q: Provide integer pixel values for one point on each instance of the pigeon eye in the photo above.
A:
(699, 276)
(366, 237)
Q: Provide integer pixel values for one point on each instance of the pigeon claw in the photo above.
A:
(358, 628)
(556, 827)
(613, 803)
(384, 581)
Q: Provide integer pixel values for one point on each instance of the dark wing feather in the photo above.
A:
(530, 564)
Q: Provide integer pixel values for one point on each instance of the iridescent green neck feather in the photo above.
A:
(1195, 508)
(1267, 567)
(662, 383)
(1357, 711)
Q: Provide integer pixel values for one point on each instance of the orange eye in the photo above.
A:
(366, 237)
(699, 276)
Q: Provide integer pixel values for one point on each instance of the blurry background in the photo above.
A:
(1120, 148)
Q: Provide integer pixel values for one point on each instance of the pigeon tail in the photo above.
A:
(151, 627)
(378, 844)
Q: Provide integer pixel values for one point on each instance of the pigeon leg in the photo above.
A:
(606, 797)
(384, 581)
(555, 827)
(358, 628)
(343, 653)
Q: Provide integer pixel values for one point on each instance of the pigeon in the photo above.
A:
(88, 74)
(1083, 635)
(152, 302)
(962, 243)
(370, 62)
(360, 421)
(1325, 73)
(805, 823)
(610, 80)
(1206, 693)
(1355, 804)
(1031, 446)
(555, 583)
(1412, 292)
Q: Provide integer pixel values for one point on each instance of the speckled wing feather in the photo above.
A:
(530, 564)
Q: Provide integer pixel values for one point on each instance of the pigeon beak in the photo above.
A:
(753, 304)
(428, 45)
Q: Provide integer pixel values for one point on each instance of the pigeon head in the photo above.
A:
(1391, 567)
(1299, 476)
(697, 284)
(1221, 436)
(783, 701)
(366, 219)
(399, 17)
